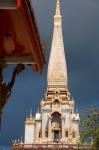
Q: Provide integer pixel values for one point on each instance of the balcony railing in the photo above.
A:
(52, 146)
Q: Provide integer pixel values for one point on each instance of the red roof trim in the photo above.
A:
(33, 37)
(18, 3)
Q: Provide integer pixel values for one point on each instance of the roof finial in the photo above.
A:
(21, 140)
(31, 113)
(38, 110)
(58, 7)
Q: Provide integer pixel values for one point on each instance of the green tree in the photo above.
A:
(6, 88)
(90, 126)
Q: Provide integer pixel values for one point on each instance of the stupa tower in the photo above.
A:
(57, 77)
(57, 68)
(57, 121)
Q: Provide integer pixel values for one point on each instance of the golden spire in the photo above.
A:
(57, 17)
(57, 68)
(58, 7)
(30, 120)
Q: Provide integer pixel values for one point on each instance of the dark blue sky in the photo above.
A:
(81, 40)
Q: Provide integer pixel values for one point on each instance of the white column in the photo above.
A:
(37, 130)
(63, 134)
(43, 133)
(49, 128)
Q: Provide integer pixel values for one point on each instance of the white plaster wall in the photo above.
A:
(29, 134)
(37, 129)
(44, 120)
(64, 107)
(67, 120)
(75, 126)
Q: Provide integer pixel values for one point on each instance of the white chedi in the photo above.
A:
(57, 122)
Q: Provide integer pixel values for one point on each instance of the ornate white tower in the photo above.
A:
(57, 98)
(57, 121)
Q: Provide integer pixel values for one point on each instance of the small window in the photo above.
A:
(46, 133)
(40, 134)
(66, 133)
(73, 134)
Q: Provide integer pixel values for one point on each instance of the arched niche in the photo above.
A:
(73, 133)
(56, 119)
(56, 103)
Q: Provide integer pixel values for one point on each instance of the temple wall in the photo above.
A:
(29, 134)
(37, 129)
(44, 123)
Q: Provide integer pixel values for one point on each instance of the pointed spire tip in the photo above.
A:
(57, 7)
(31, 113)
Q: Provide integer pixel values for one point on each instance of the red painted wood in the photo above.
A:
(33, 37)
(19, 3)
(7, 25)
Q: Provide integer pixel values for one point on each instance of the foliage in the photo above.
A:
(90, 126)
